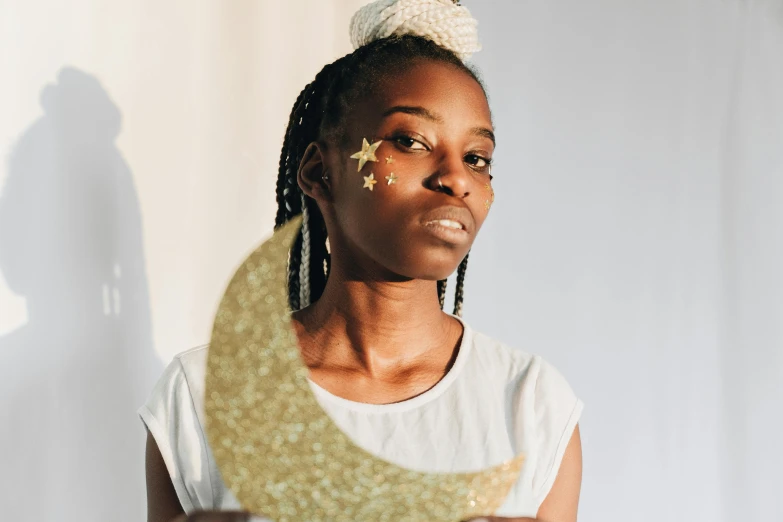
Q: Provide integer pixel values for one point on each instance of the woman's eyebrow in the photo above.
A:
(484, 133)
(431, 116)
(415, 111)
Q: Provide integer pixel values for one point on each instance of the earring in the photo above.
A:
(367, 153)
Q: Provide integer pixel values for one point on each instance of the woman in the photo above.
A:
(388, 154)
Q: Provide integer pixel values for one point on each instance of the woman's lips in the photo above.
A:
(448, 223)
(450, 217)
(448, 230)
(452, 224)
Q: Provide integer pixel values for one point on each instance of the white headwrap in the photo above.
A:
(442, 21)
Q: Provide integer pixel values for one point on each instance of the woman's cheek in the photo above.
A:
(387, 170)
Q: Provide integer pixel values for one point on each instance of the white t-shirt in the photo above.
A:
(494, 403)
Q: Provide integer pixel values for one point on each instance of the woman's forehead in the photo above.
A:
(433, 90)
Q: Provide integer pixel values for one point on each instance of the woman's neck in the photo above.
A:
(377, 328)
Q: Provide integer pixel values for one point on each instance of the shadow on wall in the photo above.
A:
(71, 446)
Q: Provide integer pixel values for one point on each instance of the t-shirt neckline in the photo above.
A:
(433, 393)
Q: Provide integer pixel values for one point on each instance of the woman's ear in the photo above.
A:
(313, 175)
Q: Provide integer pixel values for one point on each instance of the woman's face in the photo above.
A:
(432, 187)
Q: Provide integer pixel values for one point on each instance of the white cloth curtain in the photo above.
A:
(636, 241)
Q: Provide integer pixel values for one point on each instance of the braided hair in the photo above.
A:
(317, 113)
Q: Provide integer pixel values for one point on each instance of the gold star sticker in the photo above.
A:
(389, 160)
(367, 153)
(492, 192)
(369, 181)
(487, 204)
(392, 179)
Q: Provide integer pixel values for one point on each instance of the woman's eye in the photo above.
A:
(410, 143)
(477, 162)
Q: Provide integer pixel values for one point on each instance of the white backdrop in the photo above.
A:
(637, 240)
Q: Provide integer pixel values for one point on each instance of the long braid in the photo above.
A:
(459, 294)
(304, 265)
(311, 276)
(292, 200)
(287, 207)
(284, 193)
(319, 257)
(302, 130)
(285, 158)
(442, 284)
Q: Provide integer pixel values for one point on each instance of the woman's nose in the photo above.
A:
(452, 177)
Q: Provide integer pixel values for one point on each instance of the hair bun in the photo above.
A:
(447, 24)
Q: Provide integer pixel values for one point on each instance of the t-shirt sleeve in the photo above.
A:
(557, 411)
(170, 416)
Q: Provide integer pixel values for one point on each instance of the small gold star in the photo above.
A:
(491, 191)
(389, 160)
(367, 153)
(487, 204)
(392, 179)
(369, 181)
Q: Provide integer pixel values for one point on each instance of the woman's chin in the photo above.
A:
(425, 264)
(431, 273)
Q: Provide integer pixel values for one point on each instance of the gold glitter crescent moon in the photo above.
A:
(279, 451)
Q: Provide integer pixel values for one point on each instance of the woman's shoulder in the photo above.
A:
(194, 357)
(173, 414)
(493, 353)
(526, 371)
(493, 349)
(541, 412)
(193, 364)
(190, 365)
(182, 382)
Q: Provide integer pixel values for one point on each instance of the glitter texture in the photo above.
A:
(279, 451)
